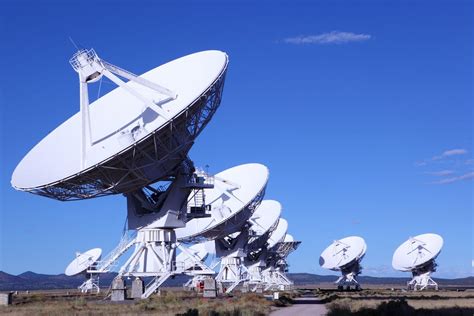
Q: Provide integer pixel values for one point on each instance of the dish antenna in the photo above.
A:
(282, 250)
(233, 250)
(130, 141)
(345, 255)
(237, 193)
(271, 275)
(85, 263)
(418, 255)
(134, 136)
(263, 222)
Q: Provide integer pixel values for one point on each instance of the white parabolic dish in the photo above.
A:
(278, 235)
(342, 252)
(83, 261)
(58, 155)
(417, 251)
(227, 201)
(264, 220)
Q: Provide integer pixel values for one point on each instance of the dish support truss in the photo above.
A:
(155, 256)
(273, 272)
(275, 279)
(422, 278)
(153, 158)
(349, 275)
(232, 273)
(90, 284)
(232, 251)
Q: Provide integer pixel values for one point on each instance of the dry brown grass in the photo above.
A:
(169, 303)
(372, 299)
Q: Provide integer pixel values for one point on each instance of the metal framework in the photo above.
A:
(238, 220)
(154, 158)
(272, 275)
(422, 278)
(349, 276)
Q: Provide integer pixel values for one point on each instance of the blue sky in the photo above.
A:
(361, 110)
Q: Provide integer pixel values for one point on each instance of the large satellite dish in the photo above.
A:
(83, 261)
(133, 136)
(418, 255)
(264, 221)
(287, 246)
(130, 141)
(278, 235)
(236, 194)
(345, 255)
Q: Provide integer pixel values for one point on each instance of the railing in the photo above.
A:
(109, 261)
(89, 56)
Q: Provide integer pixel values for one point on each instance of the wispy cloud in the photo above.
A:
(451, 152)
(467, 176)
(443, 157)
(458, 166)
(334, 37)
(442, 173)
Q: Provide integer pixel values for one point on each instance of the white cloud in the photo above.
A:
(441, 173)
(467, 176)
(451, 152)
(334, 37)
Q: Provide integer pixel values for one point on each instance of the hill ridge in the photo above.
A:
(35, 281)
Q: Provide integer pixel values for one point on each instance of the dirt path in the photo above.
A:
(302, 306)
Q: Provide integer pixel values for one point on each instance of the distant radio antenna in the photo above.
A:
(418, 255)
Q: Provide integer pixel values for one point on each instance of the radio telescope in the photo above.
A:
(418, 255)
(263, 222)
(133, 141)
(236, 194)
(85, 263)
(270, 273)
(345, 255)
(283, 250)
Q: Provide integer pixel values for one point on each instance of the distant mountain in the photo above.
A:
(308, 278)
(6, 278)
(34, 281)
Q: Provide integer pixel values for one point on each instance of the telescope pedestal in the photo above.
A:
(232, 273)
(276, 280)
(422, 281)
(90, 284)
(349, 277)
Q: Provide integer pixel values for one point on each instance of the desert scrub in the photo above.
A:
(394, 308)
(170, 303)
(283, 300)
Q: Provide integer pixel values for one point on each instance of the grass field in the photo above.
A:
(168, 303)
(387, 302)
(178, 302)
